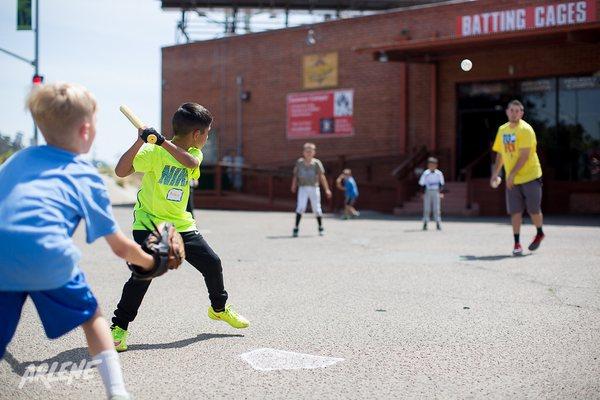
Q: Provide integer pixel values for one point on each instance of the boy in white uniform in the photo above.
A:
(308, 174)
(432, 180)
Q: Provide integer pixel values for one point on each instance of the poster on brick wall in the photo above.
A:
(326, 113)
(320, 70)
(517, 19)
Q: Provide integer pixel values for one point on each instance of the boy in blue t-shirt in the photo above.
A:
(46, 191)
(347, 183)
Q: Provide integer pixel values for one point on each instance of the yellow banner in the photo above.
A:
(320, 70)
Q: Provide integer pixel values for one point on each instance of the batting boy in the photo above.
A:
(308, 174)
(167, 167)
(47, 191)
(432, 180)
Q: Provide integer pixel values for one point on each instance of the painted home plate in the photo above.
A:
(273, 360)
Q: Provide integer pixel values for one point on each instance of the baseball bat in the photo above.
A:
(136, 122)
(131, 117)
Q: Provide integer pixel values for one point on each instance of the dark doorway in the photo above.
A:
(476, 132)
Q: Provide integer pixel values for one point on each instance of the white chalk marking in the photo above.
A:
(272, 360)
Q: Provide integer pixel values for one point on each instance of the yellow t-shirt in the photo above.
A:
(165, 188)
(509, 141)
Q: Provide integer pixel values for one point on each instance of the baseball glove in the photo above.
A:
(165, 244)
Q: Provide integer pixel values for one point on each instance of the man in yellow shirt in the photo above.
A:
(515, 146)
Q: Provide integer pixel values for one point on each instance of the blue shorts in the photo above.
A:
(60, 310)
(350, 200)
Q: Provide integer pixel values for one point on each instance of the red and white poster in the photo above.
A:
(326, 113)
(517, 19)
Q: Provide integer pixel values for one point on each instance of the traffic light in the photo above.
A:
(37, 80)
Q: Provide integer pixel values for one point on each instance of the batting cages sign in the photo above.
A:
(517, 19)
(325, 113)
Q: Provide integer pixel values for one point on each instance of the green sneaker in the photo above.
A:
(119, 338)
(229, 316)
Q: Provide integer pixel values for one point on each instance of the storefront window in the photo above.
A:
(579, 127)
(539, 98)
(564, 113)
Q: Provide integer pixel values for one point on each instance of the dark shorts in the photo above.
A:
(525, 196)
(350, 200)
(60, 310)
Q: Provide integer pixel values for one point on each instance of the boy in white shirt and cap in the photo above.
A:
(432, 180)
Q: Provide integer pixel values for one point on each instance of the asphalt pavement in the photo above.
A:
(387, 311)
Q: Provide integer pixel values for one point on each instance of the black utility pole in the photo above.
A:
(37, 79)
(36, 60)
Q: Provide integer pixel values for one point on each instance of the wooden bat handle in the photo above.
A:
(131, 117)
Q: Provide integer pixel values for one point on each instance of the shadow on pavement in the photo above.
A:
(491, 258)
(81, 353)
(180, 343)
(592, 220)
(73, 355)
(291, 237)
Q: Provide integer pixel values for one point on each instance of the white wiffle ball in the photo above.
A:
(466, 64)
(497, 182)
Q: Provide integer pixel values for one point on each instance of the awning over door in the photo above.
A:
(431, 49)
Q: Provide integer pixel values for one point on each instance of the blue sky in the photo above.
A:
(111, 47)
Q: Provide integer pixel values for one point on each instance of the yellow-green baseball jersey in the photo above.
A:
(165, 188)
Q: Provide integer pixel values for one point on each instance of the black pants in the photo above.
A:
(199, 254)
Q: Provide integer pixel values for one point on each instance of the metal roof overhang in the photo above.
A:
(367, 5)
(432, 49)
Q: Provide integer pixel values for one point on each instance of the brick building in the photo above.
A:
(401, 71)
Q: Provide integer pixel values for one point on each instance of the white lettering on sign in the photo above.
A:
(561, 14)
(543, 16)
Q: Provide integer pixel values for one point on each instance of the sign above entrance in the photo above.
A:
(325, 113)
(517, 19)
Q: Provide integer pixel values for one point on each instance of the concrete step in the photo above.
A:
(453, 203)
(418, 211)
(446, 202)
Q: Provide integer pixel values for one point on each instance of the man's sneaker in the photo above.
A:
(229, 316)
(425, 226)
(438, 226)
(321, 231)
(536, 241)
(295, 232)
(517, 250)
(119, 338)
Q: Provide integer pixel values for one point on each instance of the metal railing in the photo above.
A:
(467, 173)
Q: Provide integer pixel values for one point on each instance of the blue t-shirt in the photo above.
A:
(44, 192)
(350, 187)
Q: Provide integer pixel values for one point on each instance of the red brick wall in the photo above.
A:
(271, 66)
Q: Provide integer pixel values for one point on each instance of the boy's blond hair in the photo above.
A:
(309, 145)
(57, 109)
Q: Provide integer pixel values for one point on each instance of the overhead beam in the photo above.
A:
(356, 5)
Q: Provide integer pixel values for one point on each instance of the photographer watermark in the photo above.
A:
(67, 372)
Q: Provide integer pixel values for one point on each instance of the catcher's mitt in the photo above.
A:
(165, 244)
